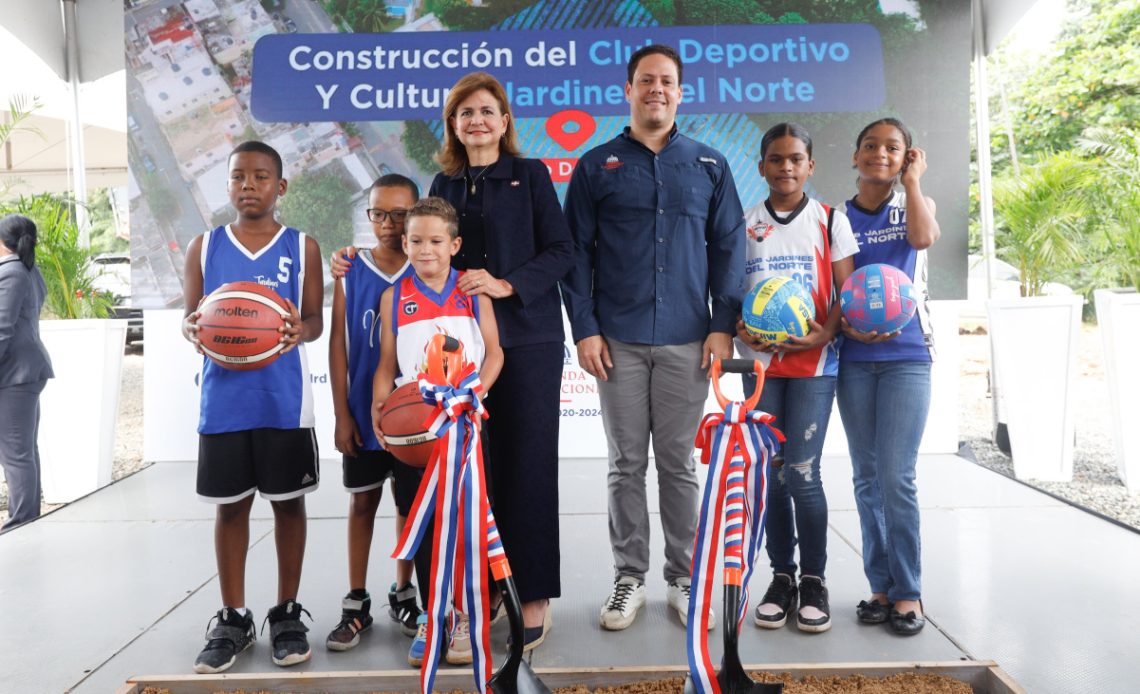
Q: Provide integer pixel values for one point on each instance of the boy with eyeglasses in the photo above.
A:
(354, 352)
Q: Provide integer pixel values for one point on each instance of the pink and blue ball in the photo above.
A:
(878, 298)
(777, 309)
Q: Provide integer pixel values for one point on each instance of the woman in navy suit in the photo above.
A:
(24, 367)
(516, 246)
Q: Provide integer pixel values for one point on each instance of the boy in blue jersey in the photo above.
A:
(354, 352)
(256, 427)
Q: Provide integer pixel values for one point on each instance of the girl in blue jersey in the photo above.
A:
(256, 430)
(884, 380)
(354, 352)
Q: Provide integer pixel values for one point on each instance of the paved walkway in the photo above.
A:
(122, 583)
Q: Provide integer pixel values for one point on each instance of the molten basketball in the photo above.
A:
(778, 308)
(878, 298)
(238, 325)
(402, 420)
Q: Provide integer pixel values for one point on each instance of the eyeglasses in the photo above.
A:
(378, 215)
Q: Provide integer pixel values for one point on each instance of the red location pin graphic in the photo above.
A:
(570, 140)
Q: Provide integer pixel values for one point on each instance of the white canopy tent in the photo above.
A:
(80, 42)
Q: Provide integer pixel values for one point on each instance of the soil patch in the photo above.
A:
(903, 683)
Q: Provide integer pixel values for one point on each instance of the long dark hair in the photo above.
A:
(18, 234)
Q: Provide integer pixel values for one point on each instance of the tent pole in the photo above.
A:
(75, 124)
(985, 183)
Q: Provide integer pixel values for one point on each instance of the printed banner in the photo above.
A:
(404, 75)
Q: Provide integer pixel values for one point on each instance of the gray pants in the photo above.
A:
(659, 391)
(19, 454)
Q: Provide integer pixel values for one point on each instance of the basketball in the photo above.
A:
(778, 308)
(402, 420)
(878, 298)
(238, 325)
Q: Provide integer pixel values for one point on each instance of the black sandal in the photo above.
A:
(873, 612)
(907, 624)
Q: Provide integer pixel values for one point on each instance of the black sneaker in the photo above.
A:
(778, 601)
(287, 633)
(355, 618)
(813, 594)
(232, 634)
(403, 608)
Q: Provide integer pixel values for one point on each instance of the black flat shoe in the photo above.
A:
(873, 612)
(907, 624)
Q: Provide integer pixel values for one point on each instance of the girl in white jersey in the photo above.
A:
(884, 380)
(791, 235)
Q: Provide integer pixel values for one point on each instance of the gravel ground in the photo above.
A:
(1095, 483)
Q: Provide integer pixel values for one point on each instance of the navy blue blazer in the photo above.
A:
(528, 245)
(23, 358)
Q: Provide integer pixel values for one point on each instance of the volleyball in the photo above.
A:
(778, 308)
(878, 298)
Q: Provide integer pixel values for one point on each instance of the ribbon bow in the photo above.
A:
(736, 445)
(453, 492)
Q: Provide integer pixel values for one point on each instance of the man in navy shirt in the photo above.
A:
(658, 233)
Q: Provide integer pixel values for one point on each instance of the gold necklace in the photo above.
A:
(479, 175)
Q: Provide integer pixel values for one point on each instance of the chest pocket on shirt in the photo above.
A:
(628, 192)
(694, 191)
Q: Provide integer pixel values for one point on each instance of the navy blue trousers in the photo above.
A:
(523, 434)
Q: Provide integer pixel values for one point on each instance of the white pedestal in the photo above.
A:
(79, 406)
(1118, 312)
(1035, 350)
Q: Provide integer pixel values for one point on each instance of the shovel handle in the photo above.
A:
(737, 366)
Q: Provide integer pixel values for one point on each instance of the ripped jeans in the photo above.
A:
(797, 506)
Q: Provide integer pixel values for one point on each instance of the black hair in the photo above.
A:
(395, 180)
(893, 122)
(653, 49)
(785, 130)
(18, 234)
(261, 148)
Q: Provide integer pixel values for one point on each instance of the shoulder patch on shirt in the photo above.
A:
(612, 162)
(708, 160)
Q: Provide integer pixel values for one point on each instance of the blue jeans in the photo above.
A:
(884, 406)
(797, 506)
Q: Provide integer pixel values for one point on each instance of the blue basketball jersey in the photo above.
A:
(277, 396)
(363, 285)
(881, 235)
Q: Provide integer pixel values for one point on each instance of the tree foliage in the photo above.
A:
(1090, 79)
(1043, 214)
(64, 264)
(1117, 152)
(420, 145)
(319, 203)
(1073, 107)
(362, 16)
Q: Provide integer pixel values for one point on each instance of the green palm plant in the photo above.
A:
(1044, 213)
(20, 109)
(64, 263)
(1119, 154)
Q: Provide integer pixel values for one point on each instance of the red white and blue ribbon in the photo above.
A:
(453, 492)
(736, 445)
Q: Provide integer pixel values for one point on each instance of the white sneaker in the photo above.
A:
(459, 647)
(620, 609)
(678, 596)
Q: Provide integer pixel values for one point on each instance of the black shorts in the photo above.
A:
(369, 469)
(280, 463)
